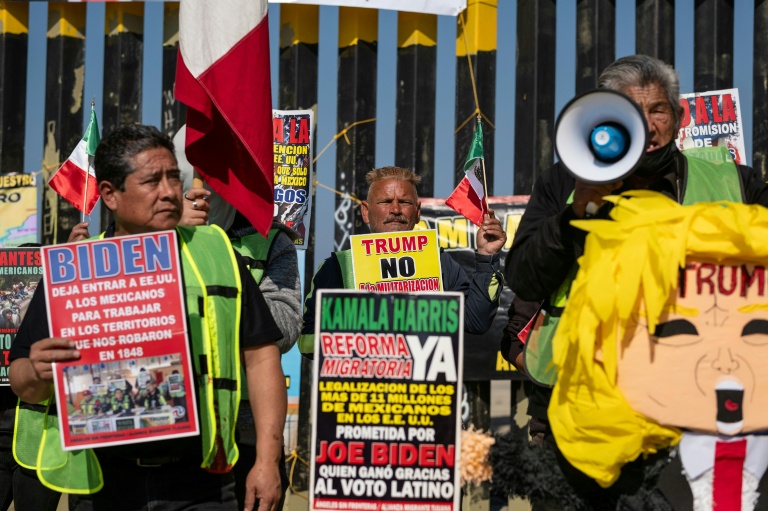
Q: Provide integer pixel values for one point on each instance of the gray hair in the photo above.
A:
(641, 71)
(398, 173)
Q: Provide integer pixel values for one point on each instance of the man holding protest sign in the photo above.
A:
(139, 182)
(393, 206)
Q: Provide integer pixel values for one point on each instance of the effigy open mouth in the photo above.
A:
(730, 399)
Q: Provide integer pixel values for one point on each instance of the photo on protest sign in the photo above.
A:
(396, 262)
(292, 137)
(386, 399)
(712, 119)
(126, 395)
(20, 271)
(121, 301)
(18, 209)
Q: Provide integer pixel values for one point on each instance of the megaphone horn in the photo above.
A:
(600, 136)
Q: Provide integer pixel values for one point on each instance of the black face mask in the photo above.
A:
(658, 161)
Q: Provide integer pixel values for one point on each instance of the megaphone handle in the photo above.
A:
(590, 210)
(197, 180)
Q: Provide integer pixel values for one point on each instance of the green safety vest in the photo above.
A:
(122, 405)
(344, 257)
(711, 176)
(88, 408)
(255, 251)
(213, 300)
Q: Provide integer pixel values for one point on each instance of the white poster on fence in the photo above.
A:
(712, 118)
(447, 7)
(292, 141)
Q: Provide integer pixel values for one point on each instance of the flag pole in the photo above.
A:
(197, 180)
(485, 180)
(88, 170)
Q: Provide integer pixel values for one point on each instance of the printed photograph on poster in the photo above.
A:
(396, 262)
(386, 401)
(292, 134)
(712, 119)
(20, 271)
(121, 301)
(131, 394)
(18, 210)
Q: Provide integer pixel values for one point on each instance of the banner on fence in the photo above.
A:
(387, 381)
(121, 301)
(292, 134)
(20, 271)
(712, 119)
(456, 235)
(18, 209)
(447, 7)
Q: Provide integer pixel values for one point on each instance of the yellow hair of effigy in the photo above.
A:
(631, 266)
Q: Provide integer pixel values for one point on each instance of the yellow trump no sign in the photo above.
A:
(397, 262)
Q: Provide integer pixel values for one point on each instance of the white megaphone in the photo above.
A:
(600, 136)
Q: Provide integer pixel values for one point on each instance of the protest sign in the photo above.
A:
(18, 209)
(292, 130)
(121, 301)
(387, 381)
(712, 119)
(457, 236)
(20, 271)
(396, 261)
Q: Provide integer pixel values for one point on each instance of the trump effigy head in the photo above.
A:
(665, 330)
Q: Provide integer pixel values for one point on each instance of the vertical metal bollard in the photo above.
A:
(655, 29)
(14, 35)
(713, 45)
(123, 51)
(535, 91)
(595, 41)
(174, 113)
(760, 91)
(64, 107)
(476, 36)
(358, 35)
(299, 33)
(416, 83)
(478, 396)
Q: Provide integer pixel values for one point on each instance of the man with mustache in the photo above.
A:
(139, 181)
(393, 205)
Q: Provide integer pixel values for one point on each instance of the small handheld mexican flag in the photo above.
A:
(469, 197)
(76, 179)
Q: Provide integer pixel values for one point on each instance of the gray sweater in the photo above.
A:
(281, 287)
